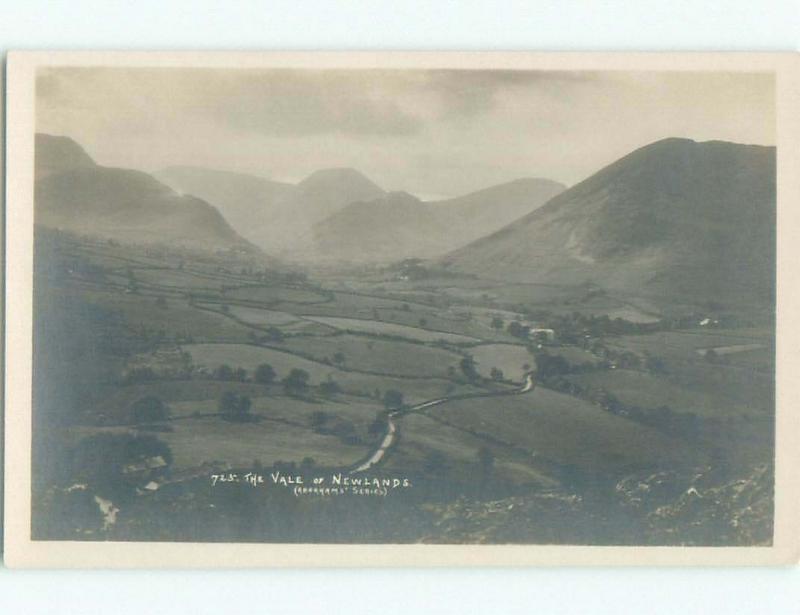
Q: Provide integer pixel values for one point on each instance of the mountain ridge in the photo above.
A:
(660, 217)
(73, 192)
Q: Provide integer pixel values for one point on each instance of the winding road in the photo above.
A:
(390, 437)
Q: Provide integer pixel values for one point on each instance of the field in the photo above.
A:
(376, 327)
(508, 358)
(184, 334)
(376, 355)
(560, 429)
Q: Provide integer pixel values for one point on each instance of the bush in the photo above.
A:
(392, 399)
(234, 407)
(223, 372)
(296, 382)
(148, 409)
(468, 368)
(329, 387)
(264, 374)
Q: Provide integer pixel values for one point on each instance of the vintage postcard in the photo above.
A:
(393, 309)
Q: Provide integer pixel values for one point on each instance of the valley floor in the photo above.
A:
(158, 370)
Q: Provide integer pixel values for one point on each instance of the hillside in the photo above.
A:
(400, 226)
(247, 202)
(73, 193)
(676, 219)
(276, 216)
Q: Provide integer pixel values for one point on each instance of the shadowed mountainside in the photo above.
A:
(73, 193)
(674, 219)
(400, 225)
(276, 216)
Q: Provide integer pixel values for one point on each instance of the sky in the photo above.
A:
(434, 133)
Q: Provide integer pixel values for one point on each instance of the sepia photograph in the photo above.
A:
(466, 300)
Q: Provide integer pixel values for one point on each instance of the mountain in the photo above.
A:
(391, 228)
(676, 218)
(326, 191)
(74, 193)
(247, 202)
(399, 225)
(59, 154)
(274, 215)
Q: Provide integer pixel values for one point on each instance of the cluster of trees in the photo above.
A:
(323, 423)
(469, 368)
(236, 408)
(148, 409)
(226, 373)
(272, 335)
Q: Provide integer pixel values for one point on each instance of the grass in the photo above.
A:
(258, 316)
(421, 437)
(387, 328)
(196, 441)
(249, 357)
(375, 355)
(274, 294)
(683, 344)
(509, 358)
(649, 391)
(177, 319)
(567, 431)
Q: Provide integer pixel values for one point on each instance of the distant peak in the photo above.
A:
(401, 196)
(338, 175)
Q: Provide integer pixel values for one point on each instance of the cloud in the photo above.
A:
(294, 103)
(471, 93)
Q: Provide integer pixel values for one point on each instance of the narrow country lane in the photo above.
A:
(390, 437)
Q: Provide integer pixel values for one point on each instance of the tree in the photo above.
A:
(329, 387)
(497, 323)
(296, 382)
(240, 374)
(264, 374)
(377, 426)
(496, 374)
(223, 372)
(234, 407)
(551, 365)
(339, 358)
(518, 330)
(711, 355)
(467, 365)
(423, 322)
(149, 409)
(392, 399)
